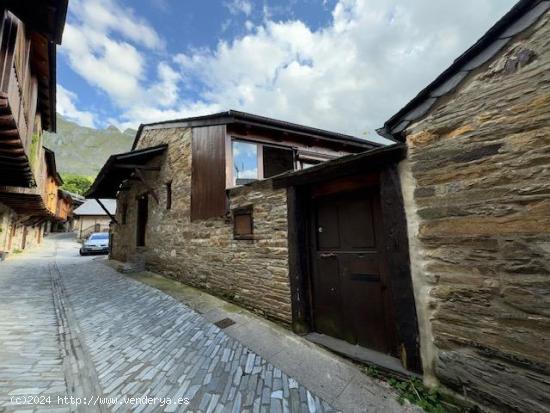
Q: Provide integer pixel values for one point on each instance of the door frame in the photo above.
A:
(352, 190)
(395, 253)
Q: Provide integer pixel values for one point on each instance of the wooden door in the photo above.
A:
(351, 294)
(142, 216)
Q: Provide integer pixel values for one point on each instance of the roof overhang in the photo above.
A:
(233, 117)
(51, 165)
(118, 169)
(45, 20)
(364, 162)
(44, 16)
(522, 16)
(27, 204)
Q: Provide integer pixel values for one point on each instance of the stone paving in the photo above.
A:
(71, 326)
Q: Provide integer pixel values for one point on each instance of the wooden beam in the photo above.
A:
(106, 211)
(298, 253)
(12, 142)
(12, 150)
(150, 189)
(140, 167)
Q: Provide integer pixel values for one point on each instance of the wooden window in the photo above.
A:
(208, 168)
(169, 195)
(243, 223)
(246, 165)
(253, 161)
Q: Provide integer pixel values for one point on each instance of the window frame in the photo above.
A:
(259, 157)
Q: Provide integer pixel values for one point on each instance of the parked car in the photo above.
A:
(96, 243)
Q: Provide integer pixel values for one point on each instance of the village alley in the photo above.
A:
(73, 326)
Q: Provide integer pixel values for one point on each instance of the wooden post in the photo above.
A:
(396, 248)
(297, 260)
(106, 211)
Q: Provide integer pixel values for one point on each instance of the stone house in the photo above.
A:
(194, 201)
(476, 189)
(432, 253)
(91, 216)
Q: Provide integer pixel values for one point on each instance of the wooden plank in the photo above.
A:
(298, 253)
(140, 167)
(106, 210)
(396, 248)
(208, 197)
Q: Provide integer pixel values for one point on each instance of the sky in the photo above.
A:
(342, 65)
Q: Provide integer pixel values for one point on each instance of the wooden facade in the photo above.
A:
(208, 171)
(41, 202)
(27, 84)
(29, 182)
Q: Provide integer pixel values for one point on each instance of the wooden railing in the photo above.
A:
(85, 232)
(17, 84)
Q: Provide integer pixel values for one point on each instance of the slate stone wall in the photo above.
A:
(7, 218)
(478, 176)
(203, 253)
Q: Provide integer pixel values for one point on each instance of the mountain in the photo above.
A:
(83, 151)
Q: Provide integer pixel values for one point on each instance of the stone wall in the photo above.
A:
(203, 253)
(477, 192)
(5, 226)
(7, 218)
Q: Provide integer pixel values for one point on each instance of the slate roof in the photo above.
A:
(234, 116)
(113, 173)
(91, 207)
(522, 16)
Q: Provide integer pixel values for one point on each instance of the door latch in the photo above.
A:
(327, 255)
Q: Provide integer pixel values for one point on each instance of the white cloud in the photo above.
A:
(107, 16)
(66, 107)
(108, 46)
(239, 6)
(349, 76)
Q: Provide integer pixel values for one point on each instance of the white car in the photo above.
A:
(96, 243)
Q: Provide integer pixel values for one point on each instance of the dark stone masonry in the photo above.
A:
(203, 253)
(478, 183)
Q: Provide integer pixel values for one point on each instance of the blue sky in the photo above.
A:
(343, 65)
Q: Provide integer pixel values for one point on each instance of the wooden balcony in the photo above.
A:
(41, 202)
(18, 103)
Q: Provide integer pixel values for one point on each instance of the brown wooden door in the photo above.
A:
(351, 295)
(142, 215)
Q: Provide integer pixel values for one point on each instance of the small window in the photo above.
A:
(245, 162)
(169, 195)
(243, 223)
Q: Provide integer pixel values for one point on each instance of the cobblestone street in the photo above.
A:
(72, 326)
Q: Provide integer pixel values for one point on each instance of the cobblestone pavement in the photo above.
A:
(70, 326)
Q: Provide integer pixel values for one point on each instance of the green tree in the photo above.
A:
(77, 184)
